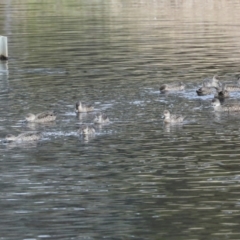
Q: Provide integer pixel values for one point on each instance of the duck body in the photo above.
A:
(172, 87)
(24, 137)
(222, 92)
(101, 118)
(83, 108)
(86, 130)
(216, 104)
(170, 118)
(208, 86)
(43, 117)
(232, 87)
(202, 91)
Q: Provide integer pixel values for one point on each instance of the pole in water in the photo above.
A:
(3, 48)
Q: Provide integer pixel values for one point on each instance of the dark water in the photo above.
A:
(137, 178)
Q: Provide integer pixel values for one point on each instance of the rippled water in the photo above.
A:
(137, 178)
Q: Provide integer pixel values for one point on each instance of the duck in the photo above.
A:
(222, 92)
(42, 117)
(101, 118)
(172, 87)
(216, 104)
(202, 91)
(169, 118)
(24, 137)
(83, 108)
(233, 87)
(214, 82)
(86, 130)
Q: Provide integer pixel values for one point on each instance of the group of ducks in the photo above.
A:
(208, 87)
(49, 116)
(221, 90)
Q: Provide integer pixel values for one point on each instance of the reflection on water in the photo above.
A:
(137, 177)
(12, 145)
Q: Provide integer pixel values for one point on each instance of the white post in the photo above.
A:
(3, 48)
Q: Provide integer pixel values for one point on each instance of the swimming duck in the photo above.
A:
(204, 91)
(222, 92)
(43, 117)
(214, 82)
(101, 118)
(172, 87)
(169, 118)
(83, 108)
(86, 130)
(229, 108)
(24, 137)
(233, 87)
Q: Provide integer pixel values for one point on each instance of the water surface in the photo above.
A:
(136, 178)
